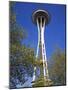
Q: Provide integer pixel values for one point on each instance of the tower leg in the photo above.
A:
(34, 74)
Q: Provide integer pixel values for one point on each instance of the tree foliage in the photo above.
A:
(57, 68)
(21, 57)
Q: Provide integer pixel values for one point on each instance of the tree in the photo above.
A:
(57, 67)
(21, 57)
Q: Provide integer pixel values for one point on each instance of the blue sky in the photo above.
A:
(55, 30)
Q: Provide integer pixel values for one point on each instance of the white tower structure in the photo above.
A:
(41, 19)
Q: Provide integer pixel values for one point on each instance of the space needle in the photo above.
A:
(41, 18)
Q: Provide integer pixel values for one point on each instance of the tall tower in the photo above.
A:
(41, 19)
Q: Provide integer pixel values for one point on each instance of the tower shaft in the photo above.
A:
(41, 52)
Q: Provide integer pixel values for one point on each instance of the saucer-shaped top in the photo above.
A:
(41, 13)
